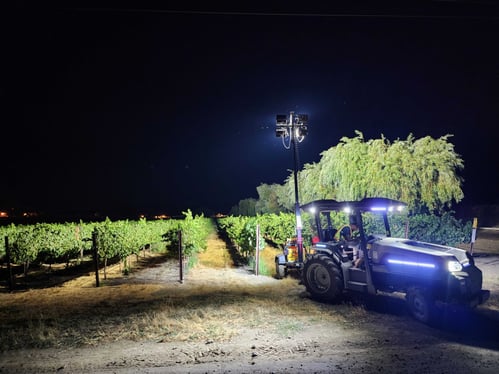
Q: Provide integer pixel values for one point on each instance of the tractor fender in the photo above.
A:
(329, 249)
(331, 254)
(324, 251)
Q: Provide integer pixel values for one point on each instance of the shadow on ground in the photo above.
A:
(477, 327)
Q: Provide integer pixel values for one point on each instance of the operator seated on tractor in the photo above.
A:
(350, 233)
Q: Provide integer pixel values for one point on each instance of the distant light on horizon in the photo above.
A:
(161, 216)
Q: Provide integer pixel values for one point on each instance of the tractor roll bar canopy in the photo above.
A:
(380, 205)
(367, 204)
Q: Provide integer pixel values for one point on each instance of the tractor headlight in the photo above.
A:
(454, 266)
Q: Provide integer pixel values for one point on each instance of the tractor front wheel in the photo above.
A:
(420, 304)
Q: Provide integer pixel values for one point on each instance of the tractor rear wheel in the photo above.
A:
(323, 279)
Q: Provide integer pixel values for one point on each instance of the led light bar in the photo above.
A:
(411, 263)
(391, 208)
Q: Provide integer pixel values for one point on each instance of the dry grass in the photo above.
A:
(215, 304)
(216, 256)
(73, 316)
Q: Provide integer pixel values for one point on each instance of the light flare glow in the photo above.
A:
(454, 266)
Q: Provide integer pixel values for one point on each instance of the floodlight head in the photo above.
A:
(281, 131)
(281, 119)
(301, 118)
(303, 130)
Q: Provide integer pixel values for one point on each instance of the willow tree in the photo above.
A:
(268, 198)
(309, 185)
(423, 173)
(245, 207)
(286, 197)
(344, 169)
(309, 188)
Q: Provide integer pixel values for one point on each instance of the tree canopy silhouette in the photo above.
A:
(420, 172)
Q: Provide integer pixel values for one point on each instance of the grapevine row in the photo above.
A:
(47, 243)
(274, 229)
(277, 228)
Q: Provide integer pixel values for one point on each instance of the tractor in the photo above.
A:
(431, 276)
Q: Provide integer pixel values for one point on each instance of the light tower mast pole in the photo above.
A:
(292, 130)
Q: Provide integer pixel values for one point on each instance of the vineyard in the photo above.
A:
(74, 244)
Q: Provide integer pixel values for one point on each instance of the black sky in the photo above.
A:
(155, 109)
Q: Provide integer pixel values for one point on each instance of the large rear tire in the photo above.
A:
(323, 279)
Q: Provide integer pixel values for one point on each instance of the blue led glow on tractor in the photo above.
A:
(411, 263)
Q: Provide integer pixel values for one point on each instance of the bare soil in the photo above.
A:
(358, 336)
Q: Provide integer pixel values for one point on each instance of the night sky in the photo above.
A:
(150, 109)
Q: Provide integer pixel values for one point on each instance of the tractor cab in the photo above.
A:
(356, 246)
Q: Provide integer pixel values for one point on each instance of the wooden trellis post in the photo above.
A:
(180, 257)
(10, 278)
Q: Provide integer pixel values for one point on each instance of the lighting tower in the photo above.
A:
(292, 130)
